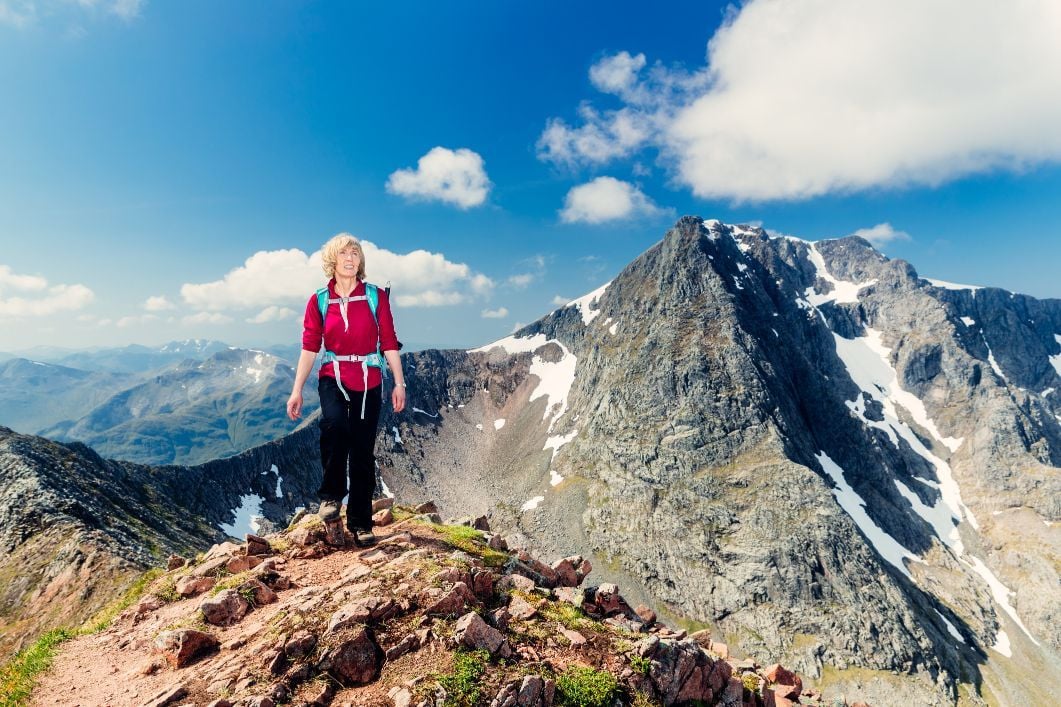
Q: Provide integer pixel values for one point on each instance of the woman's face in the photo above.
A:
(347, 262)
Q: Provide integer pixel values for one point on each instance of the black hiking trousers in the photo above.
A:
(348, 446)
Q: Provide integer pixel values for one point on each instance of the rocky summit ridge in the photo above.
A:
(432, 615)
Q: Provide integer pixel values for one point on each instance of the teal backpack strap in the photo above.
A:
(372, 295)
(322, 302)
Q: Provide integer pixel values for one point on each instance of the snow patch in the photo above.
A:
(613, 328)
(1002, 644)
(586, 301)
(532, 503)
(1047, 392)
(1001, 593)
(479, 427)
(425, 412)
(885, 545)
(276, 470)
(248, 517)
(950, 627)
(397, 435)
(554, 378)
(499, 423)
(952, 285)
(255, 373)
(968, 321)
(554, 478)
(992, 361)
(1055, 361)
(558, 441)
(843, 291)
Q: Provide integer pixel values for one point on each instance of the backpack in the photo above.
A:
(374, 359)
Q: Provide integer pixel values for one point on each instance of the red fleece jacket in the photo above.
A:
(359, 339)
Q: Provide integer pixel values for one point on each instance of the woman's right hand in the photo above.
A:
(294, 405)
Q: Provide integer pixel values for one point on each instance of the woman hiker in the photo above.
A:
(353, 320)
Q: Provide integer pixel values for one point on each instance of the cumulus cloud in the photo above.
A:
(560, 300)
(272, 313)
(158, 303)
(499, 313)
(206, 318)
(283, 278)
(455, 177)
(36, 298)
(605, 199)
(800, 99)
(881, 234)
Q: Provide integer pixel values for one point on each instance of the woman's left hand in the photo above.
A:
(398, 398)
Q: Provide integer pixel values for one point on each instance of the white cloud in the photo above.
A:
(800, 99)
(452, 177)
(881, 234)
(521, 280)
(499, 313)
(605, 199)
(158, 303)
(617, 74)
(272, 313)
(135, 320)
(206, 318)
(37, 297)
(26, 283)
(289, 277)
(560, 300)
(128, 10)
(600, 138)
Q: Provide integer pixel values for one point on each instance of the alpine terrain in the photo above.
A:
(804, 449)
(805, 446)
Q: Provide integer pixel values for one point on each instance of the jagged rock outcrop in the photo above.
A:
(400, 649)
(75, 528)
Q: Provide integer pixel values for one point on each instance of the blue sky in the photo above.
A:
(168, 170)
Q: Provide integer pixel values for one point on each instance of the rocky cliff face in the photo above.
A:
(76, 528)
(802, 444)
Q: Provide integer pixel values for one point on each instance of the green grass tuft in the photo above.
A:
(470, 541)
(19, 675)
(462, 685)
(585, 687)
(131, 595)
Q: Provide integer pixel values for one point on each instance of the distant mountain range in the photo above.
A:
(214, 402)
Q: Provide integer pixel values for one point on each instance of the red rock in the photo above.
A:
(483, 584)
(174, 562)
(496, 542)
(226, 608)
(427, 507)
(721, 672)
(550, 575)
(645, 614)
(566, 575)
(516, 581)
(148, 604)
(257, 592)
(772, 699)
(471, 631)
(382, 504)
(777, 674)
(257, 546)
(299, 644)
(572, 595)
(720, 649)
(242, 564)
(384, 517)
(356, 661)
(520, 608)
(576, 638)
(303, 537)
(608, 599)
(182, 647)
(189, 586)
(453, 601)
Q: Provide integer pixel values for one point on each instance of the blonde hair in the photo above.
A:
(330, 254)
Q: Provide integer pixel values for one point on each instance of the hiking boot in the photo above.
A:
(329, 510)
(363, 537)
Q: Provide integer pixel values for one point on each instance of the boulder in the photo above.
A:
(382, 504)
(180, 648)
(189, 586)
(382, 518)
(355, 661)
(471, 631)
(225, 609)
